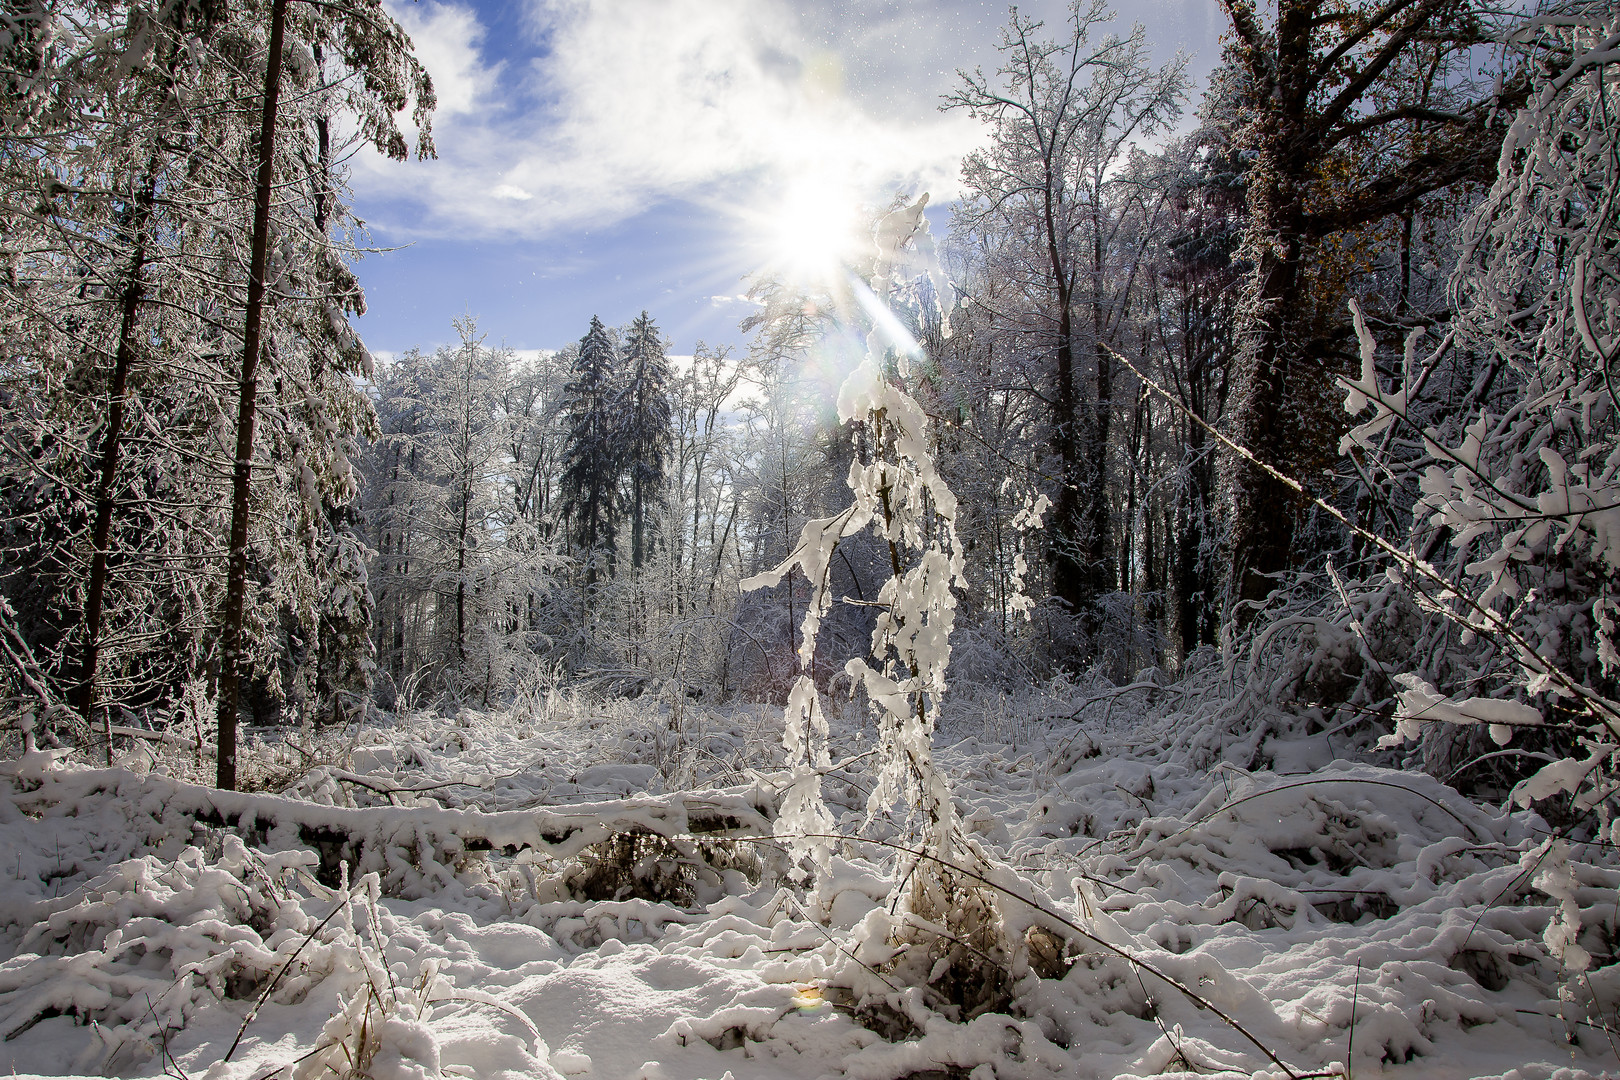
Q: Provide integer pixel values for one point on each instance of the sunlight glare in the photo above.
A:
(812, 232)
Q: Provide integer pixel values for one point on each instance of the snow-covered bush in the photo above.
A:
(138, 949)
(945, 933)
(1528, 494)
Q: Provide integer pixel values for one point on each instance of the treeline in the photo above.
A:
(1142, 363)
(1148, 345)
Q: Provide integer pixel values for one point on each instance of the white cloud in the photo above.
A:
(631, 102)
(447, 40)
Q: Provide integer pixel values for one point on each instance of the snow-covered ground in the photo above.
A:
(632, 920)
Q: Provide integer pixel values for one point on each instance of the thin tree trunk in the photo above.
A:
(102, 529)
(787, 540)
(1068, 574)
(720, 550)
(636, 553)
(230, 673)
(1098, 526)
(461, 582)
(124, 358)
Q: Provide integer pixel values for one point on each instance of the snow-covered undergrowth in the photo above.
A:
(572, 892)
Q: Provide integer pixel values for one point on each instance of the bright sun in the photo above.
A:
(812, 232)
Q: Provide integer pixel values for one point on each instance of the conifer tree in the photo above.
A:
(593, 453)
(646, 418)
(374, 64)
(125, 187)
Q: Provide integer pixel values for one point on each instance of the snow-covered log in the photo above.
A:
(414, 850)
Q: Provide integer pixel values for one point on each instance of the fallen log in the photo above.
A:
(414, 850)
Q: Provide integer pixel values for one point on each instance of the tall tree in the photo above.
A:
(593, 454)
(124, 187)
(381, 76)
(1060, 126)
(645, 415)
(230, 646)
(1337, 143)
(1192, 316)
(459, 567)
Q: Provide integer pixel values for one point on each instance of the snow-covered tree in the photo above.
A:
(1513, 551)
(459, 570)
(377, 76)
(593, 455)
(126, 198)
(644, 419)
(1045, 213)
(900, 495)
(1350, 114)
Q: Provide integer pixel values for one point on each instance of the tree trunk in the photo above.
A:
(1069, 579)
(1263, 508)
(1099, 527)
(461, 582)
(230, 672)
(636, 553)
(1271, 324)
(101, 531)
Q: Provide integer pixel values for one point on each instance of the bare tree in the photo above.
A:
(1061, 122)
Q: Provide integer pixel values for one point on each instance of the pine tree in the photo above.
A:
(593, 454)
(644, 439)
(125, 187)
(380, 77)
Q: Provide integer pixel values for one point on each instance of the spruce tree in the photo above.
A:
(645, 416)
(593, 451)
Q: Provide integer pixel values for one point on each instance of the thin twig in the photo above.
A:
(1350, 1035)
(248, 1019)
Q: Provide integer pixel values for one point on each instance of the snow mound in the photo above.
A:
(1172, 918)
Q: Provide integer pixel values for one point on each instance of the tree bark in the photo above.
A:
(231, 643)
(100, 536)
(1069, 577)
(1293, 132)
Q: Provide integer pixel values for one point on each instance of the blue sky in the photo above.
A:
(608, 156)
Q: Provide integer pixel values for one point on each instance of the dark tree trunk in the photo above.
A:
(1098, 552)
(461, 581)
(1191, 585)
(1263, 508)
(1070, 580)
(101, 531)
(636, 550)
(1310, 77)
(123, 360)
(230, 671)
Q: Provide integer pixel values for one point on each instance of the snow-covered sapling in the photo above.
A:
(946, 931)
